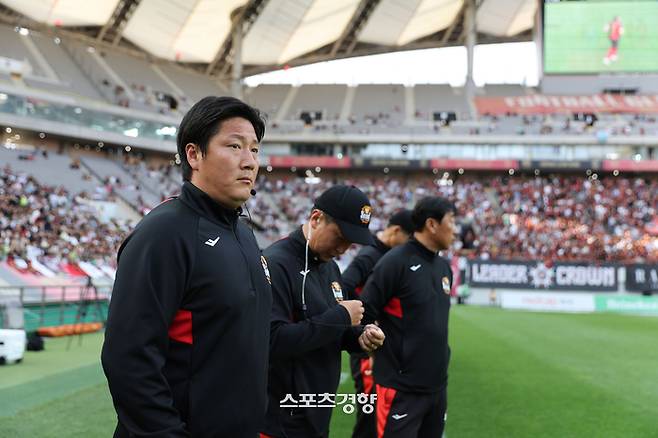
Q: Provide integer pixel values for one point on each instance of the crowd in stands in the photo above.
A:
(568, 219)
(161, 179)
(546, 218)
(47, 230)
(553, 218)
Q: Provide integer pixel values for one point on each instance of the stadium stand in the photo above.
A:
(122, 182)
(379, 105)
(13, 47)
(436, 98)
(70, 79)
(47, 230)
(504, 90)
(326, 99)
(50, 168)
(112, 76)
(548, 181)
(135, 72)
(558, 218)
(156, 179)
(268, 98)
(88, 63)
(501, 211)
(194, 86)
(570, 218)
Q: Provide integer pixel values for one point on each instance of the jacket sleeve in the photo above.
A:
(356, 274)
(148, 291)
(351, 339)
(292, 339)
(382, 285)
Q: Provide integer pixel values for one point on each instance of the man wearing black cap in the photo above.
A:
(408, 293)
(399, 228)
(311, 322)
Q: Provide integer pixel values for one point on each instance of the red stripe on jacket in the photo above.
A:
(394, 307)
(181, 327)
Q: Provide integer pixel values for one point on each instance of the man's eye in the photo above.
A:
(235, 146)
(255, 150)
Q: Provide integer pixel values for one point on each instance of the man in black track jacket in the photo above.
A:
(408, 293)
(311, 322)
(399, 228)
(187, 337)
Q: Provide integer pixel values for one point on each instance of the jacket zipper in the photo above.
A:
(234, 227)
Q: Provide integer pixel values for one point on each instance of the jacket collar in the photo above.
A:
(199, 201)
(422, 250)
(381, 246)
(299, 243)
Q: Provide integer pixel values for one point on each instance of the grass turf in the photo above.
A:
(513, 374)
(575, 40)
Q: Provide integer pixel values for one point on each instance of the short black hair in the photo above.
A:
(403, 219)
(204, 119)
(431, 207)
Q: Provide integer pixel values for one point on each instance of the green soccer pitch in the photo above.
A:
(575, 40)
(512, 374)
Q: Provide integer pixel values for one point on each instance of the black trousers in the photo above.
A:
(410, 414)
(296, 425)
(366, 424)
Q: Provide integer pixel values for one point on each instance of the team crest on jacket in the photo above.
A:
(265, 269)
(337, 290)
(366, 211)
(445, 281)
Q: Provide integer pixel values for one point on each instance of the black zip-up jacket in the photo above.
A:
(356, 274)
(409, 294)
(305, 350)
(186, 343)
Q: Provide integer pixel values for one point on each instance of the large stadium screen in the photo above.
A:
(600, 36)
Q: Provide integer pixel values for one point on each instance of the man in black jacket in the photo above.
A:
(399, 229)
(397, 232)
(311, 321)
(408, 293)
(187, 337)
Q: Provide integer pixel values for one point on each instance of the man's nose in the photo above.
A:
(249, 160)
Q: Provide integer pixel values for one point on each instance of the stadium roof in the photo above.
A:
(199, 33)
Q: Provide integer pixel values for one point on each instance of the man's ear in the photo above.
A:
(433, 224)
(316, 215)
(193, 155)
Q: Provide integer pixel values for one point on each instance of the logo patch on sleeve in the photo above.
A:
(445, 281)
(337, 290)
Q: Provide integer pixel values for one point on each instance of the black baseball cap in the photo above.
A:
(350, 208)
(403, 219)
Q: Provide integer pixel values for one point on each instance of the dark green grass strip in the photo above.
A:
(516, 374)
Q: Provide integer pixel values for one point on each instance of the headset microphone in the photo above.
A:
(252, 192)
